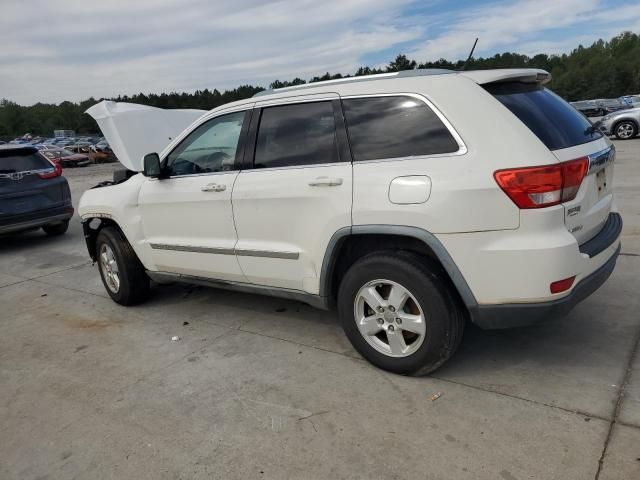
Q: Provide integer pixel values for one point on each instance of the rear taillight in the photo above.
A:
(573, 173)
(538, 187)
(55, 171)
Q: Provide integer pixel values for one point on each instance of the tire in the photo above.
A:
(55, 229)
(625, 130)
(113, 250)
(429, 295)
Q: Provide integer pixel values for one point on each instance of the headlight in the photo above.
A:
(606, 117)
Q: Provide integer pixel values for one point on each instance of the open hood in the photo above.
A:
(134, 130)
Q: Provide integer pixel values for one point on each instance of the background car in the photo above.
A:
(589, 108)
(632, 100)
(83, 147)
(610, 105)
(101, 145)
(624, 124)
(33, 192)
(601, 106)
(65, 158)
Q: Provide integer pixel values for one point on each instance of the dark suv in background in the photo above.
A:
(33, 192)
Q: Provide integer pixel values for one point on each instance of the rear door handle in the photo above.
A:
(325, 182)
(214, 187)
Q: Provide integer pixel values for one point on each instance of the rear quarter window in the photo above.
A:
(555, 122)
(395, 126)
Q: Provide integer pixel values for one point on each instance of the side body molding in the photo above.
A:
(426, 237)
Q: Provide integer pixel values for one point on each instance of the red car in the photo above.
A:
(65, 158)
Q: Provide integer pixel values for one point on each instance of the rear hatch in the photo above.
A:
(28, 183)
(569, 136)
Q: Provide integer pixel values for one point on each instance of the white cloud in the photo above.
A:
(52, 50)
(521, 26)
(98, 48)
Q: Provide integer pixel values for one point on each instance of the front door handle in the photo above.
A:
(214, 187)
(325, 182)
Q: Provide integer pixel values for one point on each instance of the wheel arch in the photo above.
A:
(626, 119)
(342, 245)
(91, 227)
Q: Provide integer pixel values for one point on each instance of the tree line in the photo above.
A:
(606, 69)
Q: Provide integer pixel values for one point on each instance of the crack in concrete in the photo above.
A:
(619, 401)
(45, 275)
(529, 400)
(77, 290)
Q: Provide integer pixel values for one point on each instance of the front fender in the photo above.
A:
(118, 204)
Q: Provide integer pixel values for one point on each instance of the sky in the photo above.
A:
(55, 50)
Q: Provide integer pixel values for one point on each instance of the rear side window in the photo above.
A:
(12, 162)
(395, 126)
(556, 123)
(294, 135)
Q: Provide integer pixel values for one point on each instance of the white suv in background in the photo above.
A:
(409, 201)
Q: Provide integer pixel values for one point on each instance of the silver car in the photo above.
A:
(624, 124)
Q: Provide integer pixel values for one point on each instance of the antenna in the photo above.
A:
(464, 66)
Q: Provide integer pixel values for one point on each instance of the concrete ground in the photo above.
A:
(263, 388)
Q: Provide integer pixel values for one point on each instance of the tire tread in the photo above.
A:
(422, 267)
(137, 284)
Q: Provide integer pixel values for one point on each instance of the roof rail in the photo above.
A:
(363, 78)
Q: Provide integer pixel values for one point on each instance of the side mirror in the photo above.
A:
(152, 166)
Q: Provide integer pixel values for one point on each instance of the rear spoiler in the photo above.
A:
(525, 75)
(134, 130)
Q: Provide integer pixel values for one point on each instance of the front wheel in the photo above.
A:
(625, 130)
(122, 274)
(399, 313)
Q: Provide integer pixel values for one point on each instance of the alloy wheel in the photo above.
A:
(389, 318)
(624, 130)
(109, 268)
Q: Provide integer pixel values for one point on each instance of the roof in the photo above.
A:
(479, 76)
(362, 78)
(17, 146)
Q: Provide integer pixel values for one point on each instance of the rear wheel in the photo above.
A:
(625, 130)
(54, 229)
(122, 274)
(398, 312)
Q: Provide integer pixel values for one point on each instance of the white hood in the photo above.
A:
(134, 130)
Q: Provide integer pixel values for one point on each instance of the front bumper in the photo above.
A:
(523, 314)
(606, 127)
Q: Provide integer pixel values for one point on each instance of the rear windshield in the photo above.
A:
(556, 123)
(22, 162)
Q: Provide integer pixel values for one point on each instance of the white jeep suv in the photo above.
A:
(411, 202)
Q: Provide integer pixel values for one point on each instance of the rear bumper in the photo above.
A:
(36, 219)
(519, 315)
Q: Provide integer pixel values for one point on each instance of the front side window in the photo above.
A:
(395, 126)
(209, 148)
(295, 135)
